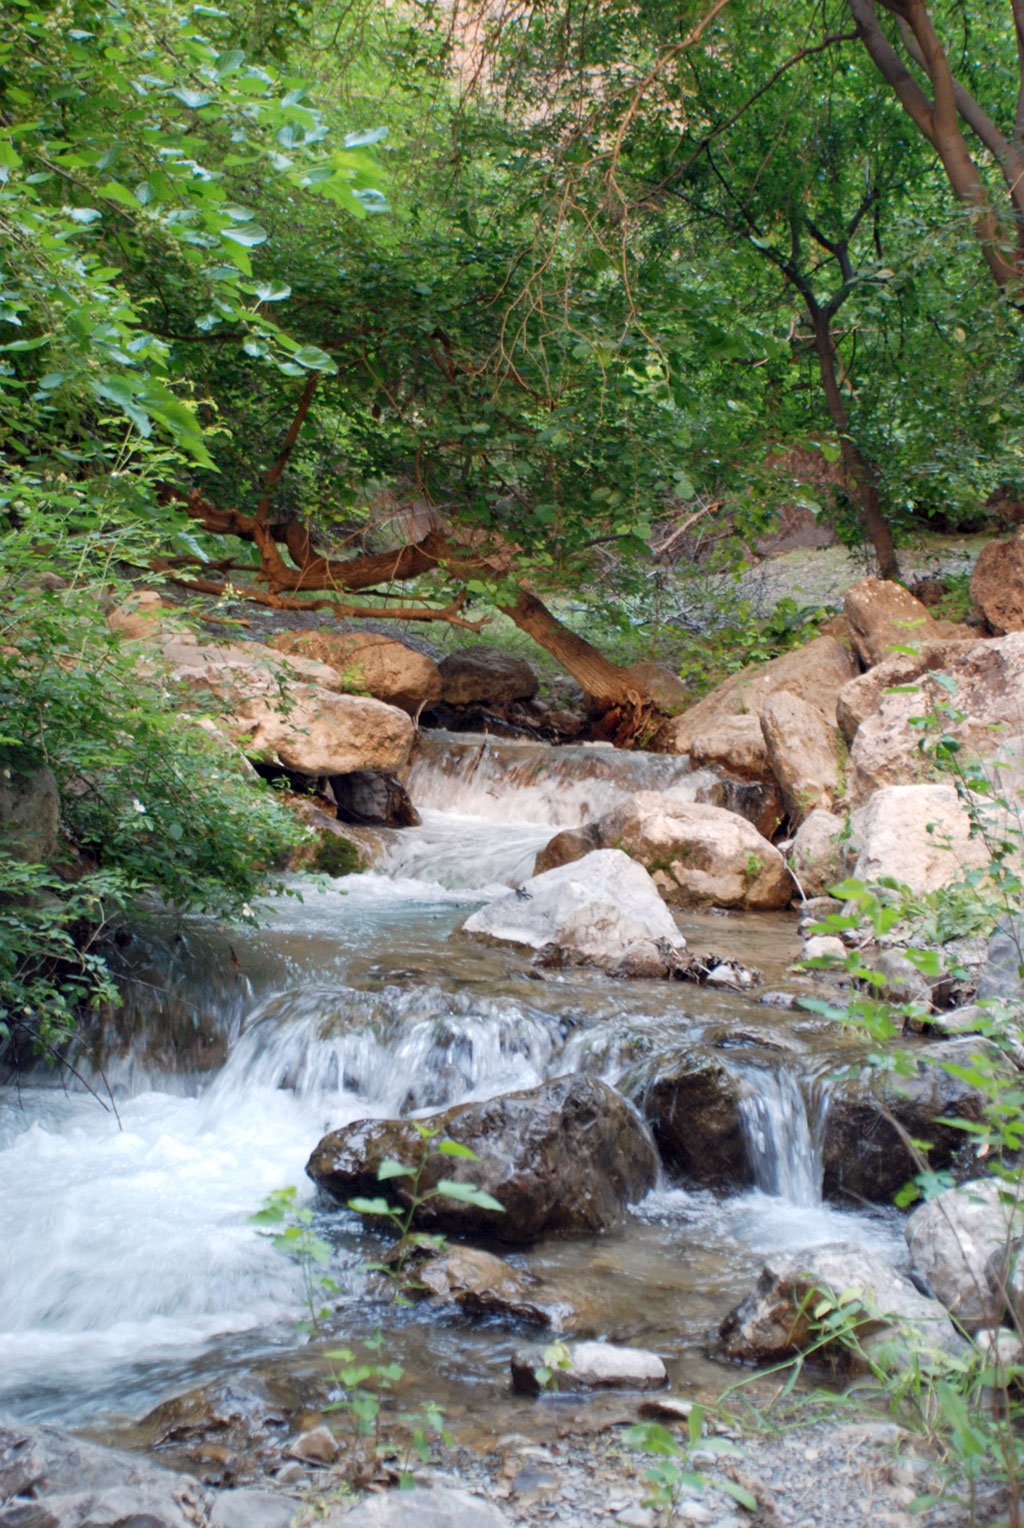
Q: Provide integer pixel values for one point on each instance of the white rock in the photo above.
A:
(952, 1238)
(593, 909)
(920, 834)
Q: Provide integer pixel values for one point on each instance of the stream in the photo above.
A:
(129, 1269)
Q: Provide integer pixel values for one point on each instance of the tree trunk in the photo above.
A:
(613, 693)
(859, 471)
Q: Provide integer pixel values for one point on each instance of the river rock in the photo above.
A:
(863, 696)
(775, 1320)
(951, 1240)
(371, 798)
(483, 675)
(818, 855)
(735, 743)
(52, 1479)
(697, 854)
(1001, 977)
(882, 615)
(918, 834)
(29, 813)
(482, 1285)
(370, 664)
(997, 584)
(422, 1507)
(693, 1107)
(589, 1366)
(568, 1156)
(870, 1117)
(592, 910)
(817, 672)
(247, 1507)
(988, 681)
(803, 751)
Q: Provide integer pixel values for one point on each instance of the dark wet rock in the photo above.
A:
(870, 1116)
(567, 1156)
(759, 801)
(776, 1319)
(587, 1366)
(693, 1107)
(567, 847)
(372, 798)
(423, 1507)
(485, 675)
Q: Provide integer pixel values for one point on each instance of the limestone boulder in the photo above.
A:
(697, 854)
(882, 615)
(666, 689)
(370, 664)
(952, 1239)
(29, 813)
(775, 1320)
(863, 696)
(568, 1157)
(817, 672)
(484, 675)
(591, 910)
(818, 855)
(589, 1366)
(987, 683)
(803, 752)
(997, 584)
(918, 834)
(734, 743)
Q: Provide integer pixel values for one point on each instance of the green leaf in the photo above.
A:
(393, 1169)
(193, 99)
(468, 1194)
(456, 1149)
(249, 234)
(371, 1207)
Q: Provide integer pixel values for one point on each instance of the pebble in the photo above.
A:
(636, 1517)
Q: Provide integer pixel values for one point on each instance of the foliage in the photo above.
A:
(149, 803)
(365, 1380)
(674, 1475)
(336, 856)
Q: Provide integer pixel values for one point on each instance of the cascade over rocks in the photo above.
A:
(370, 664)
(693, 1107)
(568, 1156)
(881, 615)
(594, 911)
(775, 1320)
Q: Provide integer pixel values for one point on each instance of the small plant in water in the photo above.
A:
(361, 1381)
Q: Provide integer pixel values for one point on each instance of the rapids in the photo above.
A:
(129, 1268)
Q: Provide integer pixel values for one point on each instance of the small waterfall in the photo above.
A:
(502, 778)
(784, 1132)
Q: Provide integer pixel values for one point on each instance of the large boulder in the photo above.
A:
(951, 1241)
(485, 676)
(593, 910)
(565, 1157)
(817, 672)
(803, 751)
(776, 1320)
(29, 813)
(697, 854)
(734, 743)
(818, 854)
(918, 834)
(290, 709)
(881, 616)
(862, 697)
(983, 684)
(997, 584)
(872, 1116)
(370, 664)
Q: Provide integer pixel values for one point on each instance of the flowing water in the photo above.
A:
(129, 1268)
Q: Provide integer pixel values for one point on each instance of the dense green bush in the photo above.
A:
(150, 805)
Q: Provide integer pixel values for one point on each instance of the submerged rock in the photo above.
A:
(588, 1366)
(591, 910)
(568, 1156)
(481, 1285)
(776, 1319)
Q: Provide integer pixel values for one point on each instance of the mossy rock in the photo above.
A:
(337, 856)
